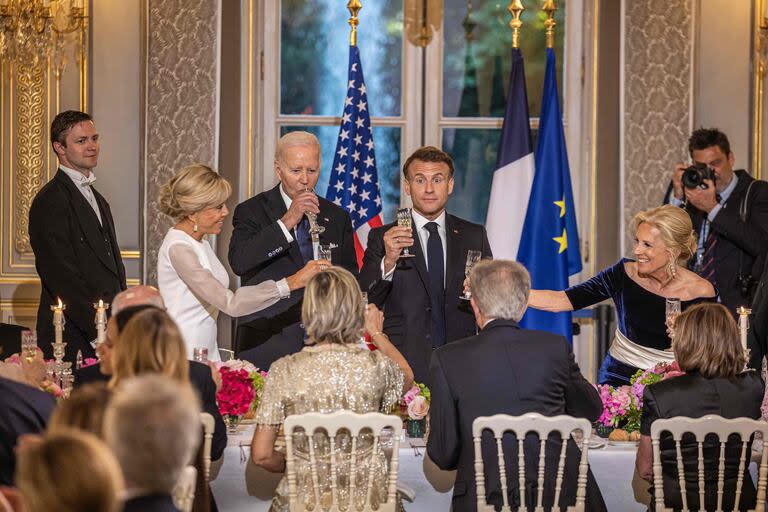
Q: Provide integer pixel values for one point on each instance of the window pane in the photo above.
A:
(387, 146)
(476, 69)
(314, 55)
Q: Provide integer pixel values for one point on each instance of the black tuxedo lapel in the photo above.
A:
(277, 209)
(89, 222)
(108, 223)
(453, 247)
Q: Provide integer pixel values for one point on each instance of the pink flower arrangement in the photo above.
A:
(623, 405)
(237, 392)
(415, 402)
(89, 361)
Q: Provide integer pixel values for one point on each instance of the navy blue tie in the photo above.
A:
(436, 270)
(304, 240)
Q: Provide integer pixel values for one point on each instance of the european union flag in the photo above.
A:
(549, 246)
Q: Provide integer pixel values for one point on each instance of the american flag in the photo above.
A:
(354, 183)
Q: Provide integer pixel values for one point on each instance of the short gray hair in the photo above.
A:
(500, 288)
(153, 427)
(296, 138)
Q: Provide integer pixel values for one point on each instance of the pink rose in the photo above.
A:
(411, 394)
(89, 361)
(418, 408)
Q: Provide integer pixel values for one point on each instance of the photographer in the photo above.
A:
(729, 211)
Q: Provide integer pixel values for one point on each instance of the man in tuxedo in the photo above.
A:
(152, 425)
(272, 240)
(506, 370)
(23, 410)
(73, 237)
(420, 295)
(729, 215)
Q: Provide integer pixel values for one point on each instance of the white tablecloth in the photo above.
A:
(241, 486)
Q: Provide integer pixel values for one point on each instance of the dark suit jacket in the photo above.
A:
(406, 300)
(77, 259)
(10, 339)
(694, 396)
(757, 335)
(202, 381)
(740, 245)
(151, 503)
(507, 370)
(23, 410)
(258, 251)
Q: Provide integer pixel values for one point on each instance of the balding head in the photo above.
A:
(142, 295)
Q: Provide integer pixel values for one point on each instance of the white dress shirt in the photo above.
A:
(419, 223)
(83, 184)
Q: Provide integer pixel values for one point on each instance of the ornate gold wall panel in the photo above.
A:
(29, 148)
(182, 83)
(657, 99)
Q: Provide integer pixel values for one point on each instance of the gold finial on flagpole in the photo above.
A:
(468, 23)
(516, 9)
(354, 7)
(550, 8)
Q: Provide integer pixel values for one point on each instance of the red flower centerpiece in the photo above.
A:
(235, 396)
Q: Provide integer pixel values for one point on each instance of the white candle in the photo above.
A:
(58, 321)
(101, 320)
(743, 324)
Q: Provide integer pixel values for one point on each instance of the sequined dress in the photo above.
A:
(325, 379)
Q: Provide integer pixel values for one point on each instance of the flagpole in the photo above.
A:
(516, 9)
(550, 8)
(354, 7)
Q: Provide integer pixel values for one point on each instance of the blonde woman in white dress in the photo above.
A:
(193, 282)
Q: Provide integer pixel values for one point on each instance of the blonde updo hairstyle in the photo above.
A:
(193, 189)
(675, 229)
(333, 309)
(150, 343)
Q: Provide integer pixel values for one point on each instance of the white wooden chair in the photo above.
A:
(184, 492)
(208, 427)
(700, 427)
(332, 424)
(521, 426)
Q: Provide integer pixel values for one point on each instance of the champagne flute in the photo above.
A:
(404, 220)
(314, 227)
(672, 311)
(472, 258)
(362, 342)
(28, 344)
(324, 253)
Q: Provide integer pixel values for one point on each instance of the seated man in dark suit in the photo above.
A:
(153, 428)
(200, 375)
(506, 370)
(23, 410)
(272, 240)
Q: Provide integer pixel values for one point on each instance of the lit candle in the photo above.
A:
(58, 321)
(743, 324)
(101, 320)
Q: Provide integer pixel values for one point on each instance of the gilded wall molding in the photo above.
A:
(657, 99)
(29, 168)
(181, 104)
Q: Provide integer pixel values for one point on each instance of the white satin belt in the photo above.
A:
(629, 352)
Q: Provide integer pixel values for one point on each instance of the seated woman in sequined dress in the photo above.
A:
(664, 243)
(331, 373)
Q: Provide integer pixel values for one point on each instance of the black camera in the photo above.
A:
(695, 175)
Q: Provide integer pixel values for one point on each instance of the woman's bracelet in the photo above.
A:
(377, 333)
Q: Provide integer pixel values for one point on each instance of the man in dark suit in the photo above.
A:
(23, 410)
(73, 237)
(162, 417)
(420, 295)
(506, 370)
(730, 217)
(272, 240)
(10, 339)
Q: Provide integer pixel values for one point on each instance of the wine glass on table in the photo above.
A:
(28, 345)
(672, 311)
(472, 258)
(404, 220)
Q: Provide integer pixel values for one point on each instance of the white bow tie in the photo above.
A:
(87, 181)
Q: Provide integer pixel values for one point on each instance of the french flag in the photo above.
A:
(513, 177)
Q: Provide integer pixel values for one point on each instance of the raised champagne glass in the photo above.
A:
(404, 220)
(672, 311)
(472, 258)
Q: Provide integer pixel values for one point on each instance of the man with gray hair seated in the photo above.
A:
(141, 295)
(506, 370)
(152, 425)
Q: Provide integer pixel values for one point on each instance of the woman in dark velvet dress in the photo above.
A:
(664, 242)
(707, 347)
